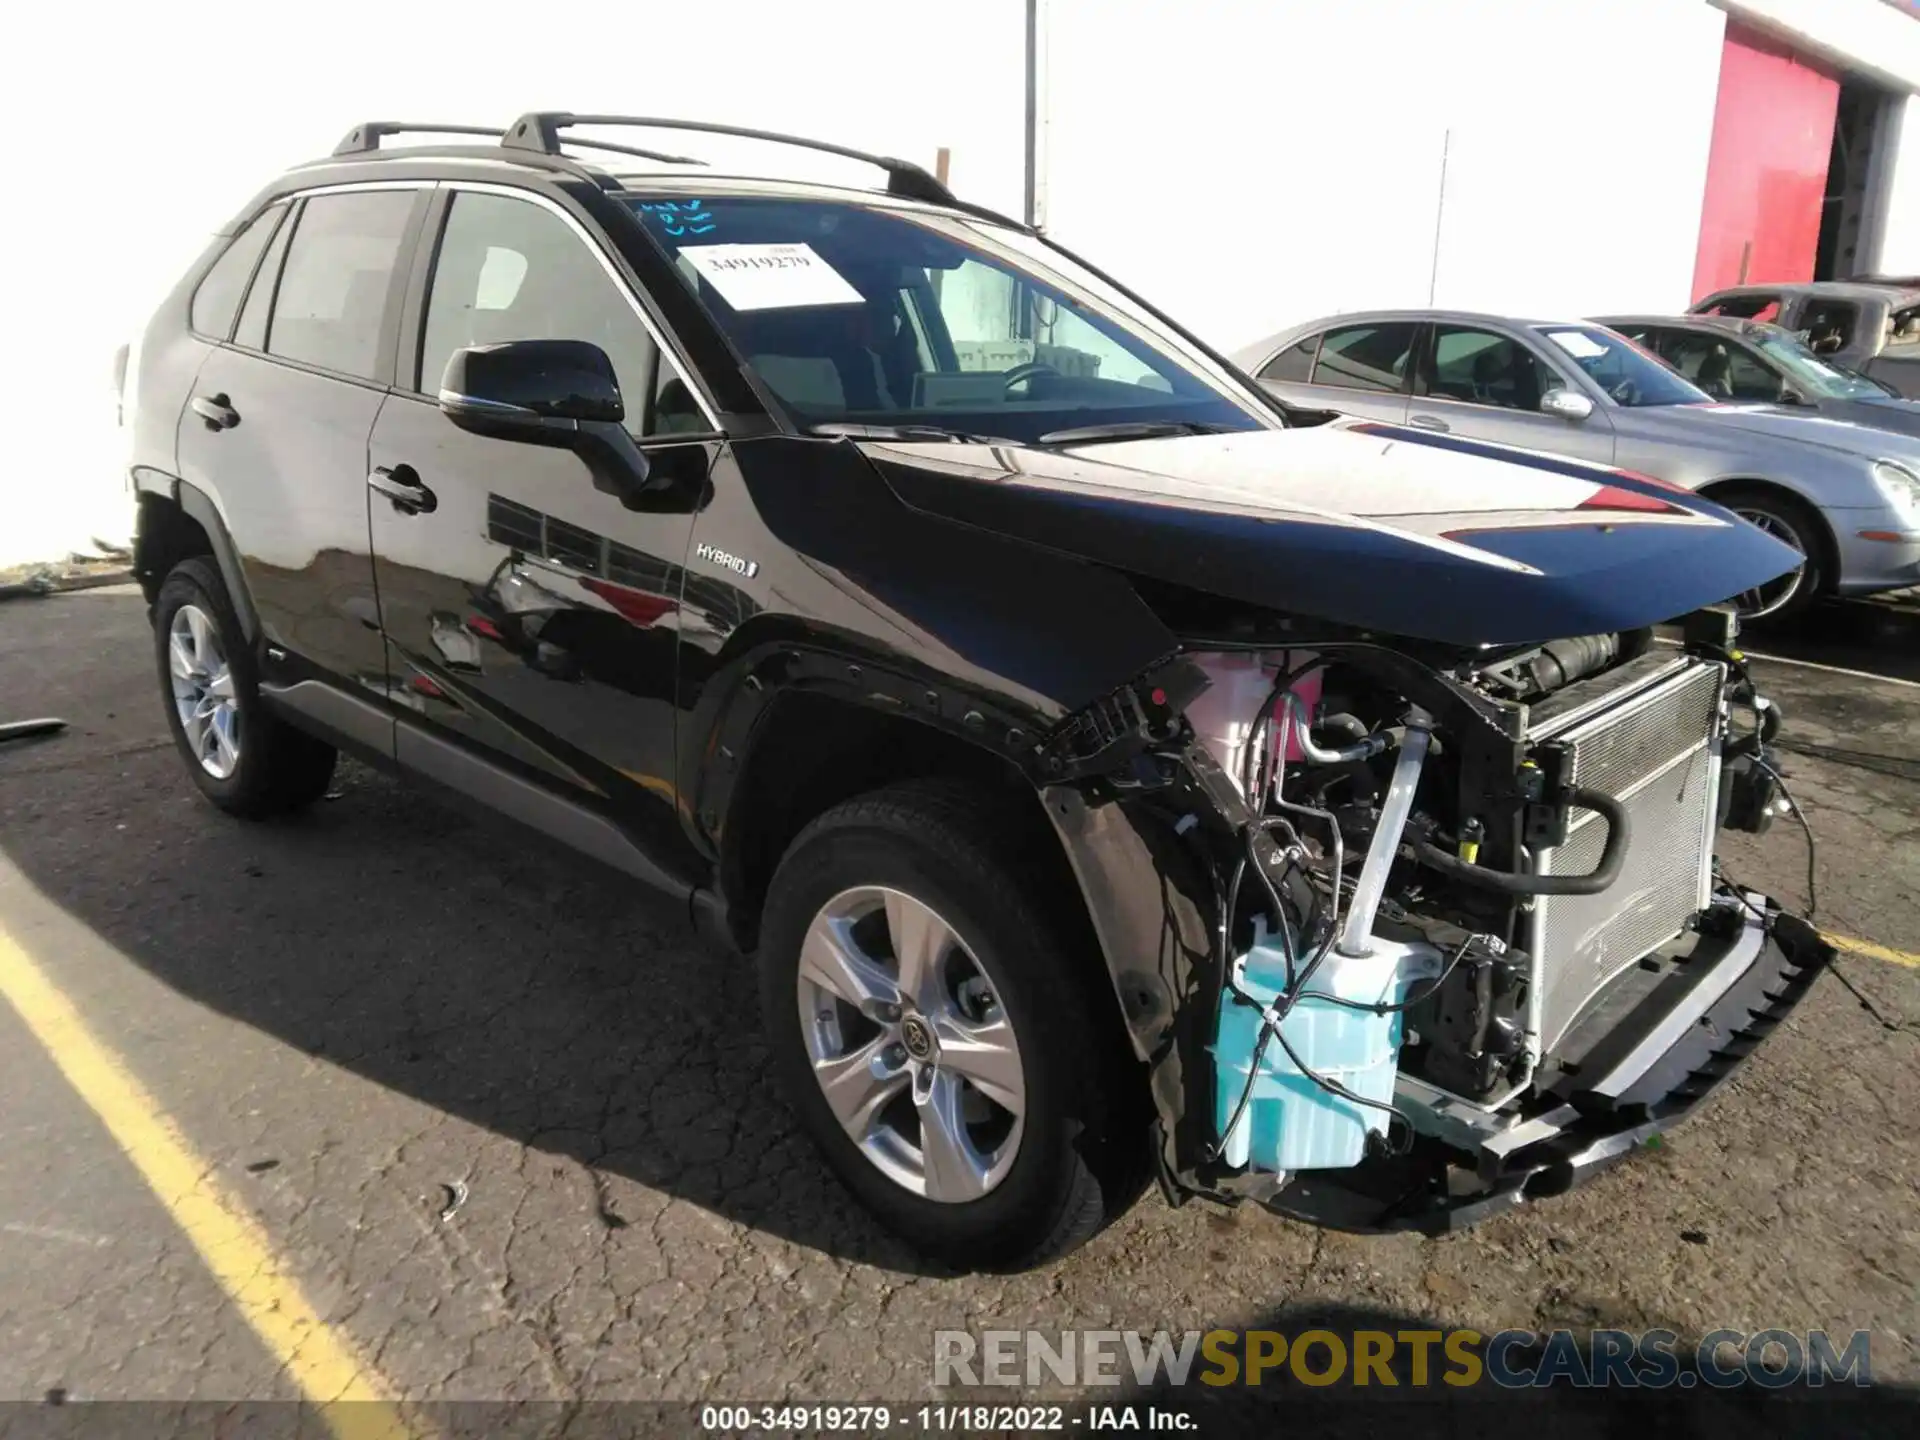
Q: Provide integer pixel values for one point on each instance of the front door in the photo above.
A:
(531, 618)
(1485, 385)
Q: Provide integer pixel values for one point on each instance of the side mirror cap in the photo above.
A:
(1567, 404)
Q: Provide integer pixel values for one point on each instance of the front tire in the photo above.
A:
(244, 758)
(1795, 524)
(932, 1036)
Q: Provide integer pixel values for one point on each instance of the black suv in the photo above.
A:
(1118, 775)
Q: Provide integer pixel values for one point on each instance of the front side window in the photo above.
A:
(1367, 357)
(509, 269)
(1629, 375)
(862, 313)
(333, 286)
(1828, 326)
(217, 299)
(1484, 368)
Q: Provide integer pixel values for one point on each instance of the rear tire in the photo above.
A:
(244, 758)
(935, 851)
(1789, 520)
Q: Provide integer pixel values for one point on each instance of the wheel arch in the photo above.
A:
(1829, 557)
(176, 520)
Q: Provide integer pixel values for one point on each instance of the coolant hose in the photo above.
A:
(1508, 882)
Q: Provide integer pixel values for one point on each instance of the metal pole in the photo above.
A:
(1035, 207)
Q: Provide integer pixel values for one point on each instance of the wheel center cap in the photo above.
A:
(917, 1036)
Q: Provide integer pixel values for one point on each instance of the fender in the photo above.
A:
(199, 507)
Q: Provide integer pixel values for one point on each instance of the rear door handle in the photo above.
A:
(217, 411)
(1429, 422)
(401, 484)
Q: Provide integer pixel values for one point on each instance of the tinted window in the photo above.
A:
(333, 287)
(1724, 370)
(1295, 363)
(512, 270)
(1744, 307)
(218, 297)
(252, 329)
(863, 313)
(1366, 357)
(1483, 368)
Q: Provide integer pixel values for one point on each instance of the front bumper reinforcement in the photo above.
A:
(1737, 986)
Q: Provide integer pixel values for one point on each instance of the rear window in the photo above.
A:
(217, 299)
(333, 287)
(1295, 363)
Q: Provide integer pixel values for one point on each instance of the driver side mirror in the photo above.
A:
(1791, 396)
(1567, 404)
(560, 393)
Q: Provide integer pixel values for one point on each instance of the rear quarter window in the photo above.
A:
(217, 298)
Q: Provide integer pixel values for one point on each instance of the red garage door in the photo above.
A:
(1772, 136)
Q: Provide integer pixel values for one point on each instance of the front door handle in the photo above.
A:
(401, 484)
(217, 411)
(1429, 422)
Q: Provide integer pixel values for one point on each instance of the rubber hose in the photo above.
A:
(1509, 882)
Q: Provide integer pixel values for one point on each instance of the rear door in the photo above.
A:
(276, 428)
(533, 620)
(1486, 385)
(1361, 369)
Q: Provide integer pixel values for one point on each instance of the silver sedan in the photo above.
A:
(1845, 496)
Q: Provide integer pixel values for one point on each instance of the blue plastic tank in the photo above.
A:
(1291, 1123)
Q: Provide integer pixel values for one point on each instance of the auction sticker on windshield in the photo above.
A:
(1577, 343)
(770, 277)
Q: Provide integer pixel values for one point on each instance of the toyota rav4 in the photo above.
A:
(1118, 775)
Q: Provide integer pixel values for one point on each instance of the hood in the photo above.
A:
(1378, 527)
(1835, 430)
(1885, 413)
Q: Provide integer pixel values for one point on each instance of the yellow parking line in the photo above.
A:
(1872, 951)
(353, 1397)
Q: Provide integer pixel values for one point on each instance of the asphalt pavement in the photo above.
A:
(509, 1128)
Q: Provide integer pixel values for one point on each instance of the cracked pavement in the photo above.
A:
(355, 1014)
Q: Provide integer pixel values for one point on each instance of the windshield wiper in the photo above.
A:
(853, 430)
(1127, 430)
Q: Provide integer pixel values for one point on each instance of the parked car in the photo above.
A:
(1873, 328)
(1043, 706)
(1753, 362)
(1847, 498)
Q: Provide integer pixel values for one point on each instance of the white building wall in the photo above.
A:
(1252, 163)
(1899, 252)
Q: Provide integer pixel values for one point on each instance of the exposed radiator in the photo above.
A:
(1657, 752)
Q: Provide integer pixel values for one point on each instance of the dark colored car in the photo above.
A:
(1753, 361)
(1872, 327)
(1093, 752)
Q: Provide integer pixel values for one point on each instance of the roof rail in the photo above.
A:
(540, 130)
(367, 135)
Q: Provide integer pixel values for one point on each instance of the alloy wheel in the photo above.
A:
(1775, 594)
(203, 691)
(911, 1045)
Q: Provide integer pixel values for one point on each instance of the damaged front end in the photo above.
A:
(1403, 937)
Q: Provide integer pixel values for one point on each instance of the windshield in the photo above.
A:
(1629, 375)
(1811, 374)
(855, 314)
